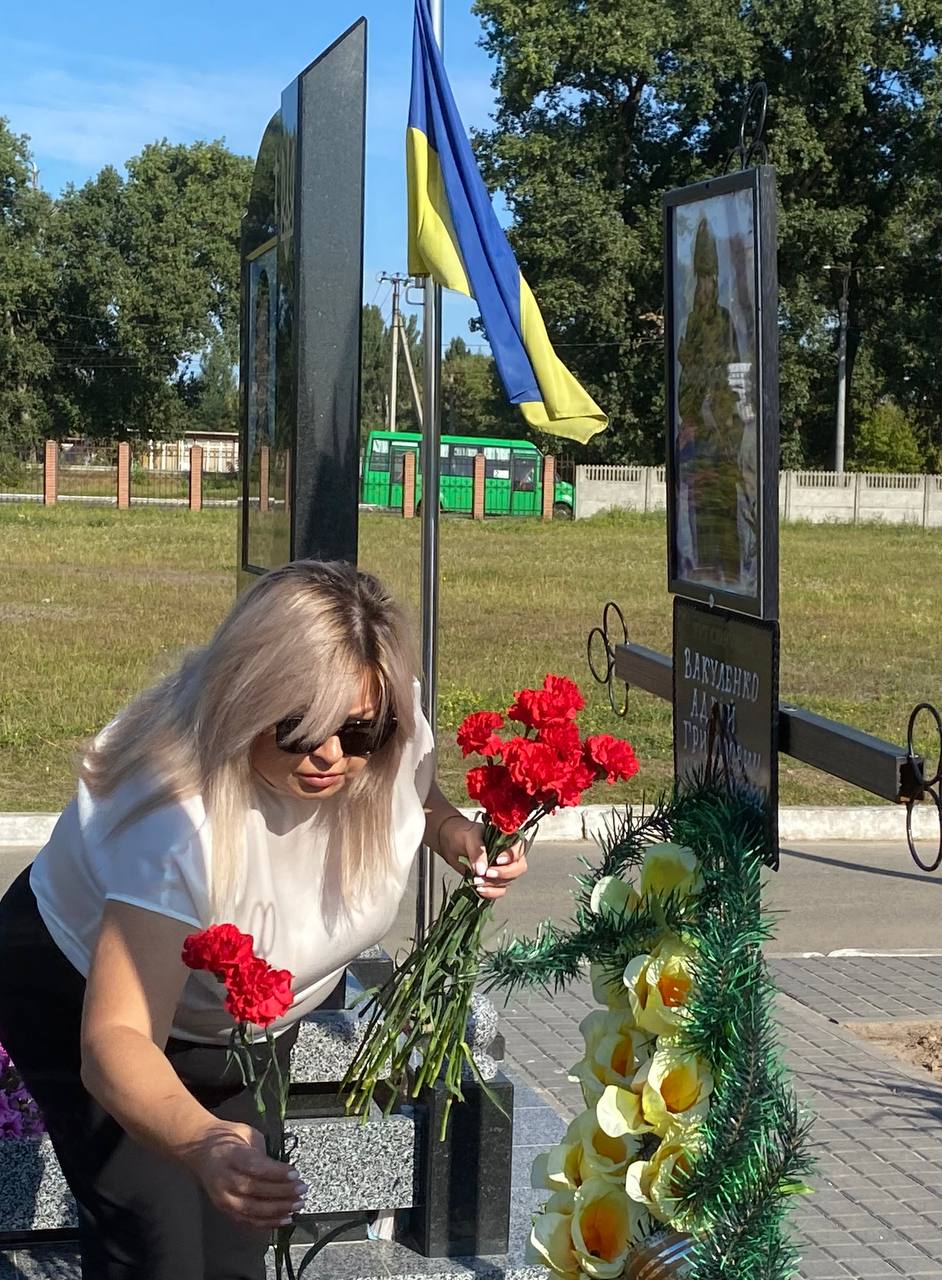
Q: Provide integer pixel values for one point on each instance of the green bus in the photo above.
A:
(513, 474)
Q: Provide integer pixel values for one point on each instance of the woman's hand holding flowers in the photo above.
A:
(461, 844)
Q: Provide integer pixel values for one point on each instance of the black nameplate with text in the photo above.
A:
(726, 702)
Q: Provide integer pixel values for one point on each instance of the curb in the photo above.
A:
(885, 823)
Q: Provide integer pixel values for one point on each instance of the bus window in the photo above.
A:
(379, 456)
(462, 460)
(524, 475)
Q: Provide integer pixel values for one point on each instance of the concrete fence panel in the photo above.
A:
(819, 497)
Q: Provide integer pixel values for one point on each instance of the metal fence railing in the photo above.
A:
(20, 481)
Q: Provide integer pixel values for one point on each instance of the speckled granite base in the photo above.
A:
(348, 1166)
(392, 1262)
(328, 1041)
(482, 1025)
(346, 1262)
(33, 1194)
(325, 1047)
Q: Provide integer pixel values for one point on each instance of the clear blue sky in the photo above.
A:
(92, 83)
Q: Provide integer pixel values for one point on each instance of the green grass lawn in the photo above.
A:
(94, 603)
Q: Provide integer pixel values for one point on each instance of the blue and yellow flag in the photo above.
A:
(454, 237)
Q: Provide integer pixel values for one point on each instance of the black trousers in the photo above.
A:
(141, 1216)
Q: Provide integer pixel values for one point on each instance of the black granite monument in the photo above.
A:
(302, 286)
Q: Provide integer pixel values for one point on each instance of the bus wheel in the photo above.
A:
(562, 511)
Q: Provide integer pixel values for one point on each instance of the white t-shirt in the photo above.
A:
(291, 903)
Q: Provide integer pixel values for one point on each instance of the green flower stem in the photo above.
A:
(424, 1006)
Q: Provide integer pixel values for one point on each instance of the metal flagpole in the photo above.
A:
(431, 470)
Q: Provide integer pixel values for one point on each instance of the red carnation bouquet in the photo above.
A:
(424, 1007)
(256, 995)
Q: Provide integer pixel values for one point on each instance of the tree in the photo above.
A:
(148, 284)
(603, 107)
(214, 392)
(886, 441)
(473, 401)
(25, 290)
(374, 371)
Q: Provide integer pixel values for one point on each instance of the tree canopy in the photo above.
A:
(120, 300)
(603, 107)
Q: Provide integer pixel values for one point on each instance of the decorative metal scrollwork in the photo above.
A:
(922, 787)
(754, 152)
(600, 651)
(323, 1236)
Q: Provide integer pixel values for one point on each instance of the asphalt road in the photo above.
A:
(827, 897)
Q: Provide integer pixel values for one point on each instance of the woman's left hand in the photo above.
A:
(462, 847)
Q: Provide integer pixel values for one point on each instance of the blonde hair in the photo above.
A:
(299, 642)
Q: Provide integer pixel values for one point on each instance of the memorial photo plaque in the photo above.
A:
(726, 702)
(722, 391)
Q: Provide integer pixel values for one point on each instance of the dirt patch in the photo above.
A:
(918, 1043)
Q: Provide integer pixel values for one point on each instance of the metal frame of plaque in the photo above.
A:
(302, 296)
(725, 698)
(721, 349)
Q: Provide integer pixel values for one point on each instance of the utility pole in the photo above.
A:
(399, 339)
(840, 427)
(397, 281)
(841, 424)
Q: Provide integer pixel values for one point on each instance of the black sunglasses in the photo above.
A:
(356, 737)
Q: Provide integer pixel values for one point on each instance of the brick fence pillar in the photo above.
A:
(50, 472)
(408, 484)
(124, 475)
(196, 477)
(264, 465)
(477, 488)
(549, 486)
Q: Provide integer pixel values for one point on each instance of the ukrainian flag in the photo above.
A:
(455, 238)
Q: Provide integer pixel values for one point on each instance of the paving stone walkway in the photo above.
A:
(877, 1207)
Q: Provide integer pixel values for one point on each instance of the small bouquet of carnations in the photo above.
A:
(256, 995)
(423, 1009)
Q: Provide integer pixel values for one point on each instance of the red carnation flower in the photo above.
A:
(612, 757)
(509, 808)
(532, 764)
(529, 708)
(563, 697)
(564, 739)
(570, 786)
(559, 700)
(258, 993)
(477, 734)
(217, 949)
(506, 804)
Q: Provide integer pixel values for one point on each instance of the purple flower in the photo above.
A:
(19, 1115)
(11, 1119)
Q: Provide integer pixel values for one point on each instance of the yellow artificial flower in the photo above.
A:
(560, 1168)
(550, 1242)
(656, 1182)
(602, 1155)
(675, 1089)
(670, 869)
(659, 986)
(619, 1112)
(605, 1224)
(614, 1052)
(605, 991)
(611, 896)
